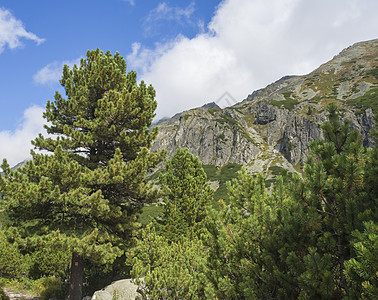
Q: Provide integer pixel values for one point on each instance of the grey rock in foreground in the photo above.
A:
(121, 290)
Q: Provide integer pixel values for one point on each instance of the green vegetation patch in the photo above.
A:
(213, 110)
(277, 170)
(287, 94)
(309, 82)
(335, 88)
(228, 172)
(211, 172)
(248, 138)
(150, 212)
(226, 119)
(249, 119)
(327, 83)
(315, 99)
(369, 99)
(222, 174)
(309, 110)
(373, 73)
(287, 103)
(237, 108)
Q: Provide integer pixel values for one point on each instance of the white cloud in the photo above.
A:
(15, 145)
(143, 58)
(249, 44)
(12, 31)
(52, 72)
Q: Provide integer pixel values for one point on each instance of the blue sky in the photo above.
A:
(65, 30)
(191, 51)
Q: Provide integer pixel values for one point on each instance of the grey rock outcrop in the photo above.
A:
(364, 123)
(284, 116)
(121, 290)
(214, 135)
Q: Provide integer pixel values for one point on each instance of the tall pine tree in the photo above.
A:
(169, 255)
(187, 195)
(84, 196)
(335, 182)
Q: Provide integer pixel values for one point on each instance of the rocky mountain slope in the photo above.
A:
(273, 126)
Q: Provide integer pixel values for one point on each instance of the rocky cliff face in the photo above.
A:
(273, 126)
(212, 134)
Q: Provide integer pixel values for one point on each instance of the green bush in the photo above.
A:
(12, 262)
(361, 271)
(228, 172)
(151, 211)
(222, 175)
(211, 172)
(50, 288)
(277, 170)
(49, 260)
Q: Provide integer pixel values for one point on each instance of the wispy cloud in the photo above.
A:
(12, 31)
(15, 145)
(52, 72)
(166, 13)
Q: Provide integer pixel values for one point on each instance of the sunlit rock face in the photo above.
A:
(274, 125)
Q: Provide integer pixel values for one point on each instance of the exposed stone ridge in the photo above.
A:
(274, 125)
(272, 88)
(215, 135)
(363, 52)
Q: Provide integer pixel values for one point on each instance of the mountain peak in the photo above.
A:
(273, 126)
(211, 105)
(363, 52)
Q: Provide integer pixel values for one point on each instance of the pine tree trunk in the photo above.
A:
(76, 279)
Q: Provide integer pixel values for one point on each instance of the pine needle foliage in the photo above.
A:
(187, 196)
(169, 255)
(310, 238)
(84, 193)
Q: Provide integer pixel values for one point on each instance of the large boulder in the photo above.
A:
(121, 290)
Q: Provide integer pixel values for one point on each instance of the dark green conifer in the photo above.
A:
(83, 194)
(361, 269)
(297, 240)
(169, 255)
(187, 195)
(335, 181)
(169, 270)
